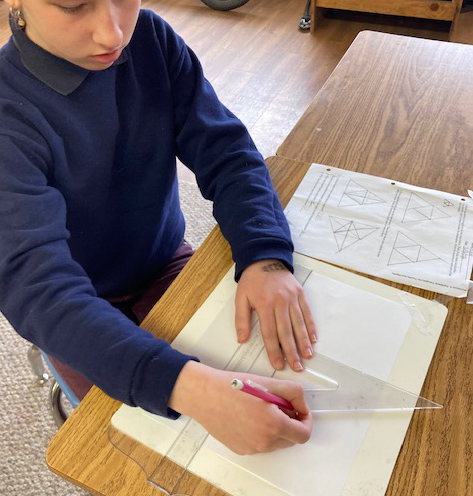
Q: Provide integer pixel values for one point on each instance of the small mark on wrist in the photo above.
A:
(274, 266)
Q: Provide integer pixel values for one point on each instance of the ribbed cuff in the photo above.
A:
(269, 249)
(158, 376)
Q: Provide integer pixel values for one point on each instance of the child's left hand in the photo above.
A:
(286, 321)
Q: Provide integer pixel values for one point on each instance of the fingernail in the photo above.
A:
(308, 352)
(313, 338)
(298, 366)
(240, 335)
(279, 364)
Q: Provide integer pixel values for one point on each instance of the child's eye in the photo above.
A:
(71, 10)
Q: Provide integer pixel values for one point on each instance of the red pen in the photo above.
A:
(254, 389)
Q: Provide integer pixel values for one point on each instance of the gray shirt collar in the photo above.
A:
(59, 74)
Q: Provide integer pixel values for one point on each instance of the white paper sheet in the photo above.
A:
(393, 230)
(361, 323)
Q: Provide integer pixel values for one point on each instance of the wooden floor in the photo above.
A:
(262, 66)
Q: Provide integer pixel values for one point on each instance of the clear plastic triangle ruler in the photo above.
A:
(355, 391)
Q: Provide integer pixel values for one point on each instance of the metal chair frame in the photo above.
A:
(36, 358)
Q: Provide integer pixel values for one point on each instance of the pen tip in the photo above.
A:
(236, 383)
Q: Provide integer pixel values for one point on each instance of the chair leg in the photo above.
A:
(37, 364)
(55, 404)
(304, 23)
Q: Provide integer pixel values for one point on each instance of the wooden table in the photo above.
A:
(395, 107)
(439, 10)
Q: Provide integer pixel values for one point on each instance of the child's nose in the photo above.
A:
(107, 32)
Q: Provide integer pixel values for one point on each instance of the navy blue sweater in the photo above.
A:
(89, 203)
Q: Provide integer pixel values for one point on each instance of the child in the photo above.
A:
(97, 98)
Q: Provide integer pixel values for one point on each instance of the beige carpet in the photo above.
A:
(26, 423)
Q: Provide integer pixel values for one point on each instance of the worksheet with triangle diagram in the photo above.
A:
(400, 232)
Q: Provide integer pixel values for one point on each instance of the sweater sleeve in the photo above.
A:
(49, 299)
(230, 171)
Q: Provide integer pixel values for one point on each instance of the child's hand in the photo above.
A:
(243, 423)
(286, 321)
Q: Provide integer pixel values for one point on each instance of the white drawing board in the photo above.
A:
(361, 323)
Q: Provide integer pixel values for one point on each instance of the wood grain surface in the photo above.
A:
(397, 107)
(416, 120)
(441, 9)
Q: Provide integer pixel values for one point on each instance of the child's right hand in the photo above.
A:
(243, 423)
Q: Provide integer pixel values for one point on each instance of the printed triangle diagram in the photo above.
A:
(418, 210)
(405, 250)
(348, 232)
(355, 194)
